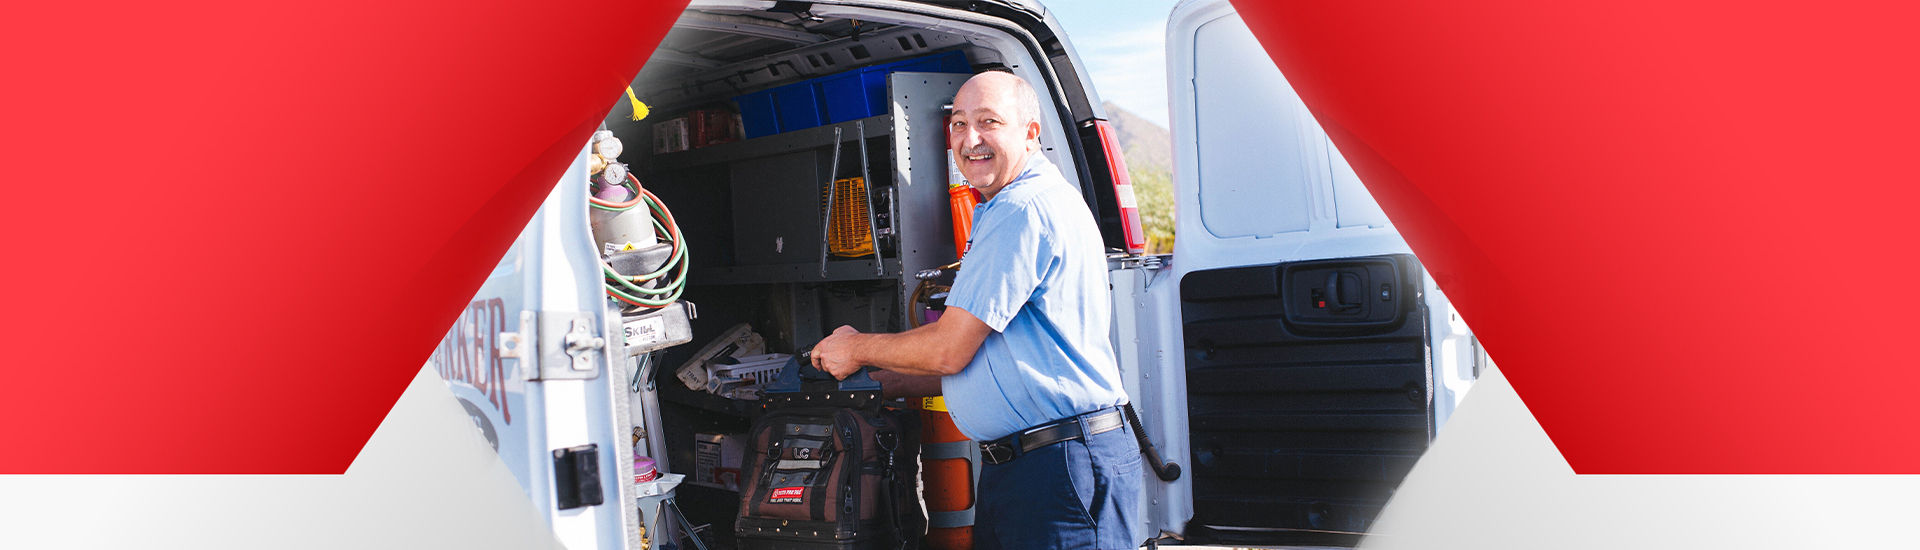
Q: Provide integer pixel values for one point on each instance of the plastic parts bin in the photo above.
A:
(758, 117)
(836, 98)
(799, 105)
(862, 93)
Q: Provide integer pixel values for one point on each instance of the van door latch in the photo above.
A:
(581, 343)
(569, 346)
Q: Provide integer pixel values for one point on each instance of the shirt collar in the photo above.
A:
(1036, 165)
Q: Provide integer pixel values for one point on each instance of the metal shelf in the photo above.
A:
(786, 142)
(837, 270)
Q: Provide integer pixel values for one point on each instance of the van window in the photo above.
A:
(1255, 171)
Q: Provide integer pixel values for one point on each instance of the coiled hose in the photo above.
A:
(627, 288)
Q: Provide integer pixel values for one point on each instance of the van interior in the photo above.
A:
(853, 94)
(801, 150)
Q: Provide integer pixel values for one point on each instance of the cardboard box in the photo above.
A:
(716, 460)
(671, 135)
(713, 127)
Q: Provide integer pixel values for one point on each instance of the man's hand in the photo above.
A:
(835, 353)
(940, 348)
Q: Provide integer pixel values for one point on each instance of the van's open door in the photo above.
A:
(533, 361)
(1292, 354)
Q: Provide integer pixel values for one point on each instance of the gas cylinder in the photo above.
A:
(622, 222)
(949, 465)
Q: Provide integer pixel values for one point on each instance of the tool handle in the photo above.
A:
(1167, 471)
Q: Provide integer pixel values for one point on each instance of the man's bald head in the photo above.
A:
(1013, 90)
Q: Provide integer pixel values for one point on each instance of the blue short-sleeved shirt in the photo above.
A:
(1036, 272)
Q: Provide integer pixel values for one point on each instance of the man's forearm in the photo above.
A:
(939, 348)
(920, 351)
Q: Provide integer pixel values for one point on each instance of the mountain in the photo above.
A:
(1148, 149)
(1142, 141)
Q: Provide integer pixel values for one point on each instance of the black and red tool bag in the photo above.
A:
(831, 476)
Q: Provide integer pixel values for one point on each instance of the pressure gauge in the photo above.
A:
(606, 145)
(615, 173)
(609, 148)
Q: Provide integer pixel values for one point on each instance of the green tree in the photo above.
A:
(1153, 191)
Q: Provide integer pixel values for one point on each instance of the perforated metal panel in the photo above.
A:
(920, 170)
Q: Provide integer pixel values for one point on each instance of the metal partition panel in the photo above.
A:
(920, 161)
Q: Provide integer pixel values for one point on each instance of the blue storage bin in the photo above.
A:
(855, 94)
(799, 105)
(862, 93)
(758, 117)
(832, 99)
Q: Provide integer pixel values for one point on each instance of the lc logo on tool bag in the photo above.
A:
(787, 495)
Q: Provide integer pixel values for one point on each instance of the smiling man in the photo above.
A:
(1022, 349)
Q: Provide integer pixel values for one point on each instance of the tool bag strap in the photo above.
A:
(767, 466)
(889, 441)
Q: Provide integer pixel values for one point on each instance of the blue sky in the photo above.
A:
(1123, 43)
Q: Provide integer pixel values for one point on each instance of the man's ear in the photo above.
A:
(1033, 130)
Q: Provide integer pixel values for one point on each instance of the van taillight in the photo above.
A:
(1122, 190)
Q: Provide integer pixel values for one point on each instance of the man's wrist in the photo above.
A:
(859, 347)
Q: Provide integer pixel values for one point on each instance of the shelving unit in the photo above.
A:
(777, 144)
(837, 270)
(755, 214)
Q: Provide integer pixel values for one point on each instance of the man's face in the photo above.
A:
(988, 138)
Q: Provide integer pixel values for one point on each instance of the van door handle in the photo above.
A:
(1338, 298)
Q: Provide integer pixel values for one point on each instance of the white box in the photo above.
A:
(670, 135)
(716, 460)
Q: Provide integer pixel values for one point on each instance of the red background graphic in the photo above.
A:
(236, 230)
(1682, 229)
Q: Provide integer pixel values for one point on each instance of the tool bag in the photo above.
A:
(831, 477)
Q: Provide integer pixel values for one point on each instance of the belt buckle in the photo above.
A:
(996, 453)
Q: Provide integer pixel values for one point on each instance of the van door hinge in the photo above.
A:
(1148, 263)
(516, 345)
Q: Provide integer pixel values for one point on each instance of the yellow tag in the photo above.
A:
(639, 109)
(935, 403)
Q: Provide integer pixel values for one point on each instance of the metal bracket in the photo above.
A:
(1149, 263)
(569, 345)
(520, 345)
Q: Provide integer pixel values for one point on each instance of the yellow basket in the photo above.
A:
(849, 235)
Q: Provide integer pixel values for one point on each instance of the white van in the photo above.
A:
(1291, 355)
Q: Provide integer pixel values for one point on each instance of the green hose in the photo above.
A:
(622, 286)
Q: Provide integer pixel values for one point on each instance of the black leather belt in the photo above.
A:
(1005, 449)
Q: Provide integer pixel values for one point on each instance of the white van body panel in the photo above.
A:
(1256, 182)
(552, 269)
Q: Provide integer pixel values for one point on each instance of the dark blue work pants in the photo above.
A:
(1083, 493)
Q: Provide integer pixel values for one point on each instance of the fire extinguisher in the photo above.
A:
(961, 198)
(949, 465)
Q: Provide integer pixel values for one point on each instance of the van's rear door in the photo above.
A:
(523, 360)
(1292, 354)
